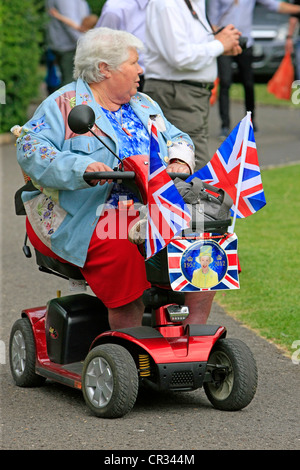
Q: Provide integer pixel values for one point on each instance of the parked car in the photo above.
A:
(269, 33)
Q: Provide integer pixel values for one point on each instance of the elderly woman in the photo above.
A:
(63, 213)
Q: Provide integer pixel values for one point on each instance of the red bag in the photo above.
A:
(280, 84)
(214, 92)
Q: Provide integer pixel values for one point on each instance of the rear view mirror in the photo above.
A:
(81, 119)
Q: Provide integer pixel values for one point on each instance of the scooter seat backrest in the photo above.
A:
(65, 269)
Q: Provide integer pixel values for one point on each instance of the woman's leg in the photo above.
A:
(199, 304)
(129, 315)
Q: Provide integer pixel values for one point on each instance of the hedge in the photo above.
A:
(22, 28)
(22, 23)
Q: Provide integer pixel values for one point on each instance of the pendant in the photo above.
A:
(126, 131)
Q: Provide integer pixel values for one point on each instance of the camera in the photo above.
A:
(242, 39)
(243, 42)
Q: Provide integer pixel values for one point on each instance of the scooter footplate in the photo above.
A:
(75, 367)
(67, 374)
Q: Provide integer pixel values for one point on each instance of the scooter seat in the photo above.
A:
(64, 269)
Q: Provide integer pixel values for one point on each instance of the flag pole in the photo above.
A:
(242, 165)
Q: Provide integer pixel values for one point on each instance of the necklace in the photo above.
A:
(112, 115)
(118, 122)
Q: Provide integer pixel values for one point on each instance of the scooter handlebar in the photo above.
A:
(182, 176)
(109, 175)
(122, 175)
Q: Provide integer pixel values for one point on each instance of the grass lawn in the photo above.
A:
(269, 297)
(262, 96)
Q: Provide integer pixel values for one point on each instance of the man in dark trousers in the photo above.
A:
(240, 13)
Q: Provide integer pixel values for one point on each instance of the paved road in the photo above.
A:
(55, 417)
(278, 133)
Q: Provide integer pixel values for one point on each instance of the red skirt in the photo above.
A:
(114, 268)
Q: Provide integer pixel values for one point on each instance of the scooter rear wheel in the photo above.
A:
(109, 381)
(234, 384)
(22, 355)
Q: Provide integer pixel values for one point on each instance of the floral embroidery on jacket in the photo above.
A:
(47, 152)
(72, 101)
(39, 124)
(85, 97)
(46, 214)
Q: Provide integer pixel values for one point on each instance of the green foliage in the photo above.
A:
(268, 300)
(21, 37)
(96, 6)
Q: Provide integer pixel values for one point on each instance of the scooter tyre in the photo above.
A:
(238, 388)
(22, 355)
(109, 381)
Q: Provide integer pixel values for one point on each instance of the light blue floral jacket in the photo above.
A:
(63, 210)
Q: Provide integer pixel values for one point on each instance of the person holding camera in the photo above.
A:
(181, 64)
(292, 44)
(240, 13)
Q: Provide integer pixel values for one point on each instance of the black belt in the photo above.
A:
(206, 86)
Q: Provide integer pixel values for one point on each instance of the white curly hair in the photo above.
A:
(102, 45)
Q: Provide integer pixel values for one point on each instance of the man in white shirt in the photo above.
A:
(181, 64)
(127, 15)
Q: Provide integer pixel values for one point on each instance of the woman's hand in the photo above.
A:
(98, 166)
(178, 166)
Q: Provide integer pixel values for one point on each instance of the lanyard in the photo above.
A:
(194, 14)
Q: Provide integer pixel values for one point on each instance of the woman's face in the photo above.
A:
(205, 262)
(125, 81)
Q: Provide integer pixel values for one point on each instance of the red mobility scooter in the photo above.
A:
(69, 339)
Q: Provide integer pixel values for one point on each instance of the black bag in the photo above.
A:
(208, 202)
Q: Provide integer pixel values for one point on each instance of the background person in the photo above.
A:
(62, 39)
(289, 46)
(240, 13)
(181, 65)
(87, 23)
(126, 15)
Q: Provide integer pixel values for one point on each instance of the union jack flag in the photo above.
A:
(223, 171)
(183, 260)
(167, 212)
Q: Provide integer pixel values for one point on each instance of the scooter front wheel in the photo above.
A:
(233, 374)
(109, 381)
(22, 355)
